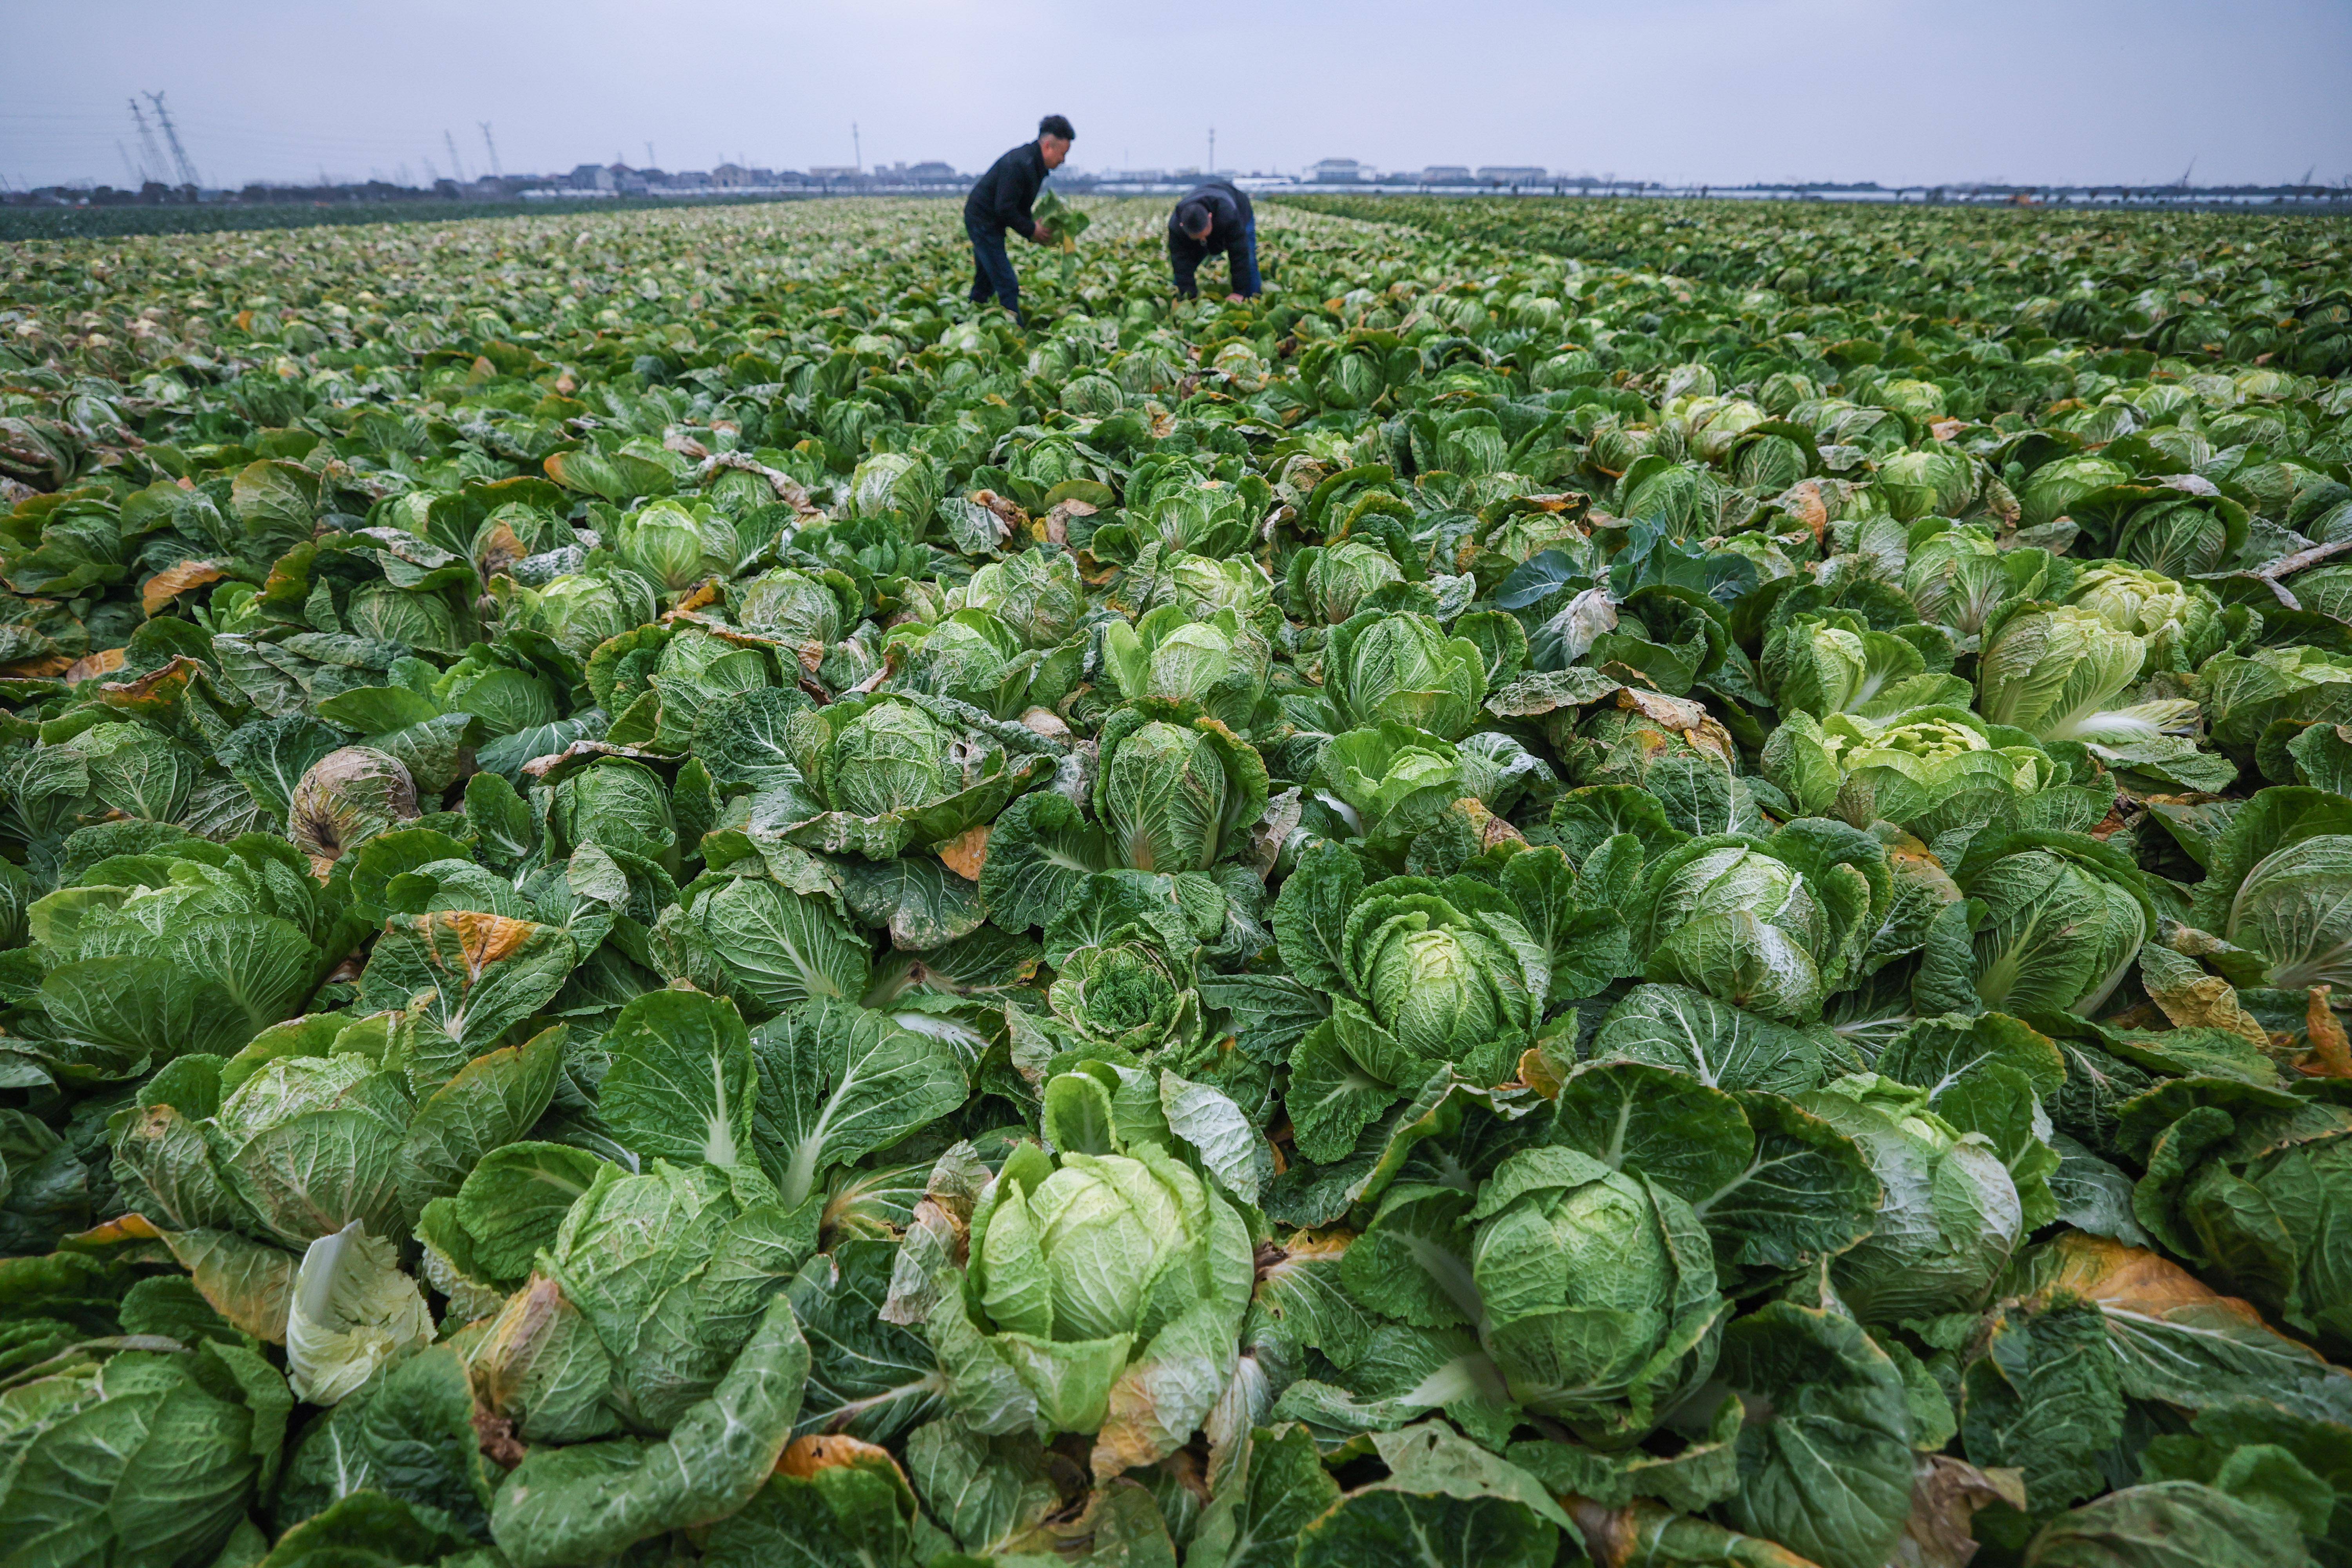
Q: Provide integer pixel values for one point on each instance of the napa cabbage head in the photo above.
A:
(1176, 794)
(1425, 974)
(1956, 578)
(972, 657)
(1821, 665)
(615, 804)
(638, 1309)
(1217, 661)
(419, 618)
(897, 486)
(1925, 766)
(1443, 971)
(1404, 668)
(1950, 1220)
(582, 609)
(796, 606)
(2061, 918)
(2049, 491)
(1126, 994)
(2182, 624)
(1598, 1292)
(301, 1149)
(1386, 782)
(1090, 1271)
(677, 543)
(1040, 595)
(2060, 672)
(1736, 917)
(1936, 481)
(1200, 585)
(1330, 583)
(890, 770)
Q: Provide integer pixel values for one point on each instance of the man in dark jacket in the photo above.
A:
(1000, 199)
(1213, 217)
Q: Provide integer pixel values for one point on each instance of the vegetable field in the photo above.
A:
(1608, 884)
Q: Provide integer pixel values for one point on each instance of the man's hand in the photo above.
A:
(1041, 234)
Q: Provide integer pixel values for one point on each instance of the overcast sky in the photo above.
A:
(1715, 90)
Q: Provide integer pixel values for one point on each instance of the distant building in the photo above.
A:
(591, 177)
(1447, 174)
(1511, 174)
(1339, 172)
(690, 180)
(627, 181)
(930, 169)
(731, 177)
(835, 174)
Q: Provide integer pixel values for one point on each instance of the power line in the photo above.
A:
(493, 146)
(154, 158)
(457, 164)
(188, 176)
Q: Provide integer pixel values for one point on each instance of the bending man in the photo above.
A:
(1000, 200)
(1213, 217)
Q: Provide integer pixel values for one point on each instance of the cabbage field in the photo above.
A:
(1630, 884)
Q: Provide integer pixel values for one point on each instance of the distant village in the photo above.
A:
(593, 182)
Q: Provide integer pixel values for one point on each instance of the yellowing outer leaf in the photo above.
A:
(1649, 1531)
(250, 1283)
(94, 665)
(1946, 1493)
(2192, 998)
(804, 1457)
(174, 581)
(2331, 1050)
(967, 852)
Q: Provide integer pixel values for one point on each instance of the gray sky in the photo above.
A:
(1720, 90)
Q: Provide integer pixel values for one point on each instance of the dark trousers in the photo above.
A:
(1244, 260)
(992, 270)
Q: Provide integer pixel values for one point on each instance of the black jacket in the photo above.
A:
(1000, 199)
(1229, 217)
